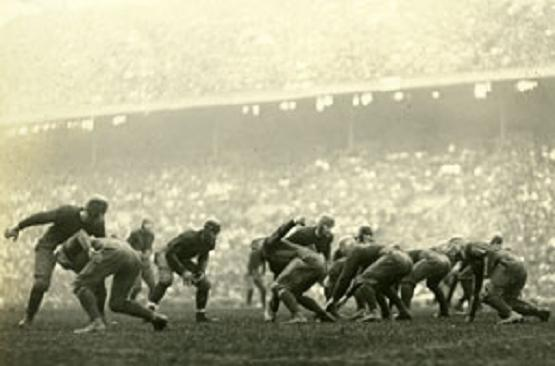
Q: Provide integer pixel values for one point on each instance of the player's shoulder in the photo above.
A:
(68, 209)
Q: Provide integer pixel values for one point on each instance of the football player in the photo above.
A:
(256, 268)
(178, 257)
(141, 241)
(105, 257)
(64, 222)
(506, 274)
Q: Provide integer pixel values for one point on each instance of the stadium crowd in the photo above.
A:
(168, 51)
(416, 199)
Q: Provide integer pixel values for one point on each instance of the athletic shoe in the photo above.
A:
(269, 316)
(402, 317)
(93, 327)
(202, 318)
(24, 323)
(297, 319)
(513, 318)
(544, 315)
(159, 322)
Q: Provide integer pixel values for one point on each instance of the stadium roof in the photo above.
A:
(381, 85)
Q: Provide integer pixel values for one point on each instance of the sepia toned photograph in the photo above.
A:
(277, 182)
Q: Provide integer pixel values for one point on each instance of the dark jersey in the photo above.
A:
(66, 221)
(307, 236)
(141, 240)
(273, 250)
(358, 260)
(185, 247)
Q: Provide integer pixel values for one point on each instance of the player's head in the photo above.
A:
(210, 231)
(147, 224)
(454, 248)
(496, 241)
(365, 234)
(96, 207)
(325, 225)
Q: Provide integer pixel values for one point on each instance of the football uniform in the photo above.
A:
(256, 267)
(141, 241)
(429, 265)
(178, 257)
(65, 221)
(115, 258)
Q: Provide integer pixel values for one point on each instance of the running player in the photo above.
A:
(65, 221)
(178, 257)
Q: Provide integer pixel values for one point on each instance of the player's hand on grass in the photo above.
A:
(12, 233)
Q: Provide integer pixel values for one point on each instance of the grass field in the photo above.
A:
(242, 338)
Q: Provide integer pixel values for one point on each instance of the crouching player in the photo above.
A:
(108, 257)
(141, 241)
(256, 268)
(507, 277)
(296, 269)
(429, 265)
(382, 268)
(345, 246)
(177, 257)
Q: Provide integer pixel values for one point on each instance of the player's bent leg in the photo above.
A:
(313, 306)
(203, 290)
(45, 261)
(393, 297)
(259, 283)
(435, 288)
(407, 292)
(493, 297)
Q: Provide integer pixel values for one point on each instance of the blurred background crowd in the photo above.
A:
(61, 56)
(416, 199)
(65, 55)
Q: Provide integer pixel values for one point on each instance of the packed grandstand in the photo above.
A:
(415, 198)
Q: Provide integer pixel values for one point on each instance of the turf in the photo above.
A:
(242, 338)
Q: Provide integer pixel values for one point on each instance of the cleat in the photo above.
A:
(326, 318)
(202, 318)
(403, 317)
(369, 318)
(159, 322)
(25, 323)
(544, 315)
(297, 319)
(512, 319)
(93, 327)
(269, 316)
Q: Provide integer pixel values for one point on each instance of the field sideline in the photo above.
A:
(242, 338)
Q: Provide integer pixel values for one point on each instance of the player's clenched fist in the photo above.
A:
(11, 233)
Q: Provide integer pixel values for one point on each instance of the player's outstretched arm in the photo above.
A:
(40, 218)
